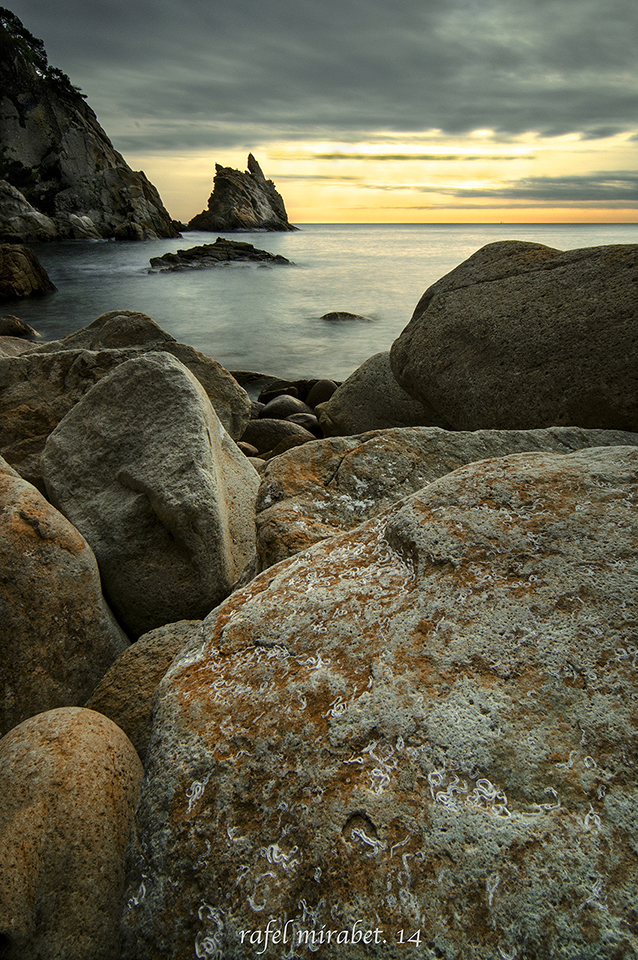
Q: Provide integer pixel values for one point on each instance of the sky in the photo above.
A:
(399, 111)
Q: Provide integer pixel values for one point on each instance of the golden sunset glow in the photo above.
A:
(472, 179)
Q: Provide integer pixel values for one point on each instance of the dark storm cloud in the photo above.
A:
(274, 69)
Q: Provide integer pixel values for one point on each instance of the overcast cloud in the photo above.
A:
(552, 66)
(202, 74)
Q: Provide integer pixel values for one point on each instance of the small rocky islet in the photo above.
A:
(354, 657)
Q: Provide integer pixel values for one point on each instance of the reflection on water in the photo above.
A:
(268, 318)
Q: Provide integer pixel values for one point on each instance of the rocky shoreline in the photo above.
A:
(307, 656)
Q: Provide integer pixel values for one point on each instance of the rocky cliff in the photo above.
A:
(60, 176)
(242, 201)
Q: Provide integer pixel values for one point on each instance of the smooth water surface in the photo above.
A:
(268, 318)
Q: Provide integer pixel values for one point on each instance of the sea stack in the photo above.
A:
(242, 201)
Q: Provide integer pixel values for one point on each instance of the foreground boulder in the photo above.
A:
(242, 201)
(144, 469)
(70, 779)
(37, 390)
(421, 726)
(68, 181)
(21, 274)
(323, 489)
(521, 336)
(371, 399)
(57, 636)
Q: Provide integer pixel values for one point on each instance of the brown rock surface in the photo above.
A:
(326, 488)
(70, 779)
(21, 274)
(125, 693)
(57, 635)
(521, 336)
(424, 724)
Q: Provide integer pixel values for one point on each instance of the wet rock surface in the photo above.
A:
(21, 274)
(424, 724)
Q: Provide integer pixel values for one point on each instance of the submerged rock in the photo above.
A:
(144, 469)
(521, 336)
(57, 636)
(422, 725)
(242, 201)
(215, 254)
(70, 780)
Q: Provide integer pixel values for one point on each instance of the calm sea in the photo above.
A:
(269, 319)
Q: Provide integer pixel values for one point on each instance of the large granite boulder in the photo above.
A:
(21, 274)
(145, 470)
(521, 336)
(57, 635)
(125, 693)
(326, 488)
(37, 390)
(242, 201)
(70, 780)
(422, 727)
(371, 399)
(68, 180)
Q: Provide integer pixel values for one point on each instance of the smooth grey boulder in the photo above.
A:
(19, 220)
(425, 724)
(323, 489)
(371, 399)
(70, 780)
(38, 389)
(521, 336)
(144, 469)
(57, 635)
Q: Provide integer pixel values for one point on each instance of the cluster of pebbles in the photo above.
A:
(285, 414)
